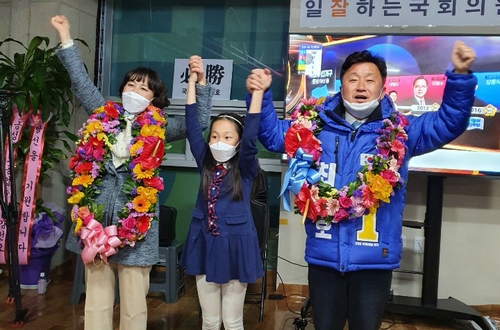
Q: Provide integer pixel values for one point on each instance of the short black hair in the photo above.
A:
(155, 84)
(364, 56)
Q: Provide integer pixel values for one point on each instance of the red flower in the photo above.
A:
(142, 119)
(368, 197)
(299, 136)
(110, 110)
(154, 182)
(321, 208)
(143, 224)
(301, 199)
(152, 153)
(83, 167)
(74, 161)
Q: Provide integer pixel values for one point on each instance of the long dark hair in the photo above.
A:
(209, 163)
(155, 84)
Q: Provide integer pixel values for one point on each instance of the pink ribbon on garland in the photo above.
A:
(17, 125)
(32, 169)
(99, 240)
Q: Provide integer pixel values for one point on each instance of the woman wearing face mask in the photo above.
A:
(353, 198)
(115, 184)
(222, 247)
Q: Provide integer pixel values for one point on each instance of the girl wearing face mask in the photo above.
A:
(115, 183)
(222, 248)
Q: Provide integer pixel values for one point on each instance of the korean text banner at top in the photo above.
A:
(355, 13)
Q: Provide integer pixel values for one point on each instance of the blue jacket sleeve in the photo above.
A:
(194, 134)
(248, 151)
(271, 129)
(433, 130)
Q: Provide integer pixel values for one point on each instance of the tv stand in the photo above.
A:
(429, 304)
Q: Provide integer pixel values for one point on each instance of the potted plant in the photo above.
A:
(42, 95)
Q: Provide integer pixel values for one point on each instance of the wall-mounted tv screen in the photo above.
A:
(416, 65)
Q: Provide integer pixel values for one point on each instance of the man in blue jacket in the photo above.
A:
(354, 232)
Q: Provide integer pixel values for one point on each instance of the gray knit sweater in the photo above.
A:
(145, 252)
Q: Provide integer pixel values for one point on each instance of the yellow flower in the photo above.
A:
(94, 126)
(78, 226)
(149, 193)
(141, 204)
(140, 173)
(101, 136)
(99, 110)
(380, 187)
(135, 147)
(83, 180)
(153, 130)
(76, 198)
(159, 118)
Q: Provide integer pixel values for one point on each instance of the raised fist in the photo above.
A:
(462, 57)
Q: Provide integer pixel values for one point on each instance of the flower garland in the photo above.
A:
(87, 167)
(374, 183)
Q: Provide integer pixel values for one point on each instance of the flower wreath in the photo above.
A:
(374, 183)
(87, 167)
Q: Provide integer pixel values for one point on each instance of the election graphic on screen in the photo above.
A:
(416, 66)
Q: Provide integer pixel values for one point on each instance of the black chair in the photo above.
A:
(260, 214)
(171, 280)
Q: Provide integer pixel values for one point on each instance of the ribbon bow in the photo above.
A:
(299, 170)
(99, 240)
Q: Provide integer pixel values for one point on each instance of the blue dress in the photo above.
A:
(229, 250)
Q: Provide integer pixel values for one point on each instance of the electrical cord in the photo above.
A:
(285, 296)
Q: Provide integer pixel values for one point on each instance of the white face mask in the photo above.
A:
(222, 152)
(134, 103)
(361, 110)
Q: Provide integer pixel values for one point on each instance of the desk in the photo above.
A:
(429, 304)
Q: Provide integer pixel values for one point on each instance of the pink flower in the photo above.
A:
(345, 202)
(340, 215)
(309, 102)
(332, 206)
(389, 176)
(128, 223)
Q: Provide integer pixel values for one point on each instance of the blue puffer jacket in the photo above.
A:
(370, 243)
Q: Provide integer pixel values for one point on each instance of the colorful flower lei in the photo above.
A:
(374, 183)
(87, 166)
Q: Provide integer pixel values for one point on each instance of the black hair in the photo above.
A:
(393, 91)
(209, 163)
(364, 56)
(155, 84)
(420, 78)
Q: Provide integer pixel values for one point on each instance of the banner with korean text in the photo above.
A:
(356, 13)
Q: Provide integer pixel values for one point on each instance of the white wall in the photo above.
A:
(29, 18)
(470, 240)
